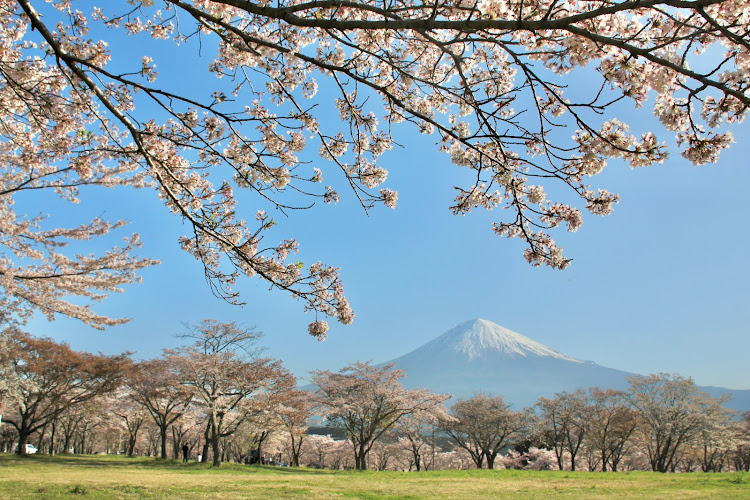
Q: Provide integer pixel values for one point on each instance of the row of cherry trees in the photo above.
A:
(217, 390)
(218, 382)
(219, 397)
(669, 422)
(661, 423)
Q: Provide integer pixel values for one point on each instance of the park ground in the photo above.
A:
(113, 477)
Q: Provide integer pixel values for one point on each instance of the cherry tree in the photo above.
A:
(715, 443)
(488, 79)
(411, 431)
(12, 383)
(51, 141)
(58, 379)
(672, 414)
(130, 415)
(387, 454)
(612, 423)
(532, 459)
(741, 453)
(294, 413)
(317, 450)
(226, 379)
(91, 426)
(458, 459)
(187, 431)
(566, 420)
(483, 425)
(156, 386)
(366, 401)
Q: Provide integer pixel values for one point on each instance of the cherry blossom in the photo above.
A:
(366, 401)
(487, 81)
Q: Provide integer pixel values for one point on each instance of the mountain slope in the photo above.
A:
(481, 356)
(479, 338)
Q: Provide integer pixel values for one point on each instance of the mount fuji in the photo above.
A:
(482, 356)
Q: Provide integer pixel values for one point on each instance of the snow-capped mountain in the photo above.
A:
(480, 338)
(482, 356)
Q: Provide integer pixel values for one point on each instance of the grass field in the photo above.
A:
(112, 477)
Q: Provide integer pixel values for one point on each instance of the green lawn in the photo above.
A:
(111, 477)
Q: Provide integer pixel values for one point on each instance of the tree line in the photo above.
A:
(218, 398)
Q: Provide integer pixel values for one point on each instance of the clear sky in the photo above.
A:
(659, 286)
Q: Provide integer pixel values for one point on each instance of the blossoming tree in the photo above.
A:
(55, 379)
(155, 385)
(483, 425)
(229, 383)
(672, 414)
(488, 78)
(367, 401)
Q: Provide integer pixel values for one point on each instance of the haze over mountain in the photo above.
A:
(482, 356)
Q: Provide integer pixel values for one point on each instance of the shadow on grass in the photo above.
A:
(290, 470)
(123, 462)
(88, 461)
(95, 461)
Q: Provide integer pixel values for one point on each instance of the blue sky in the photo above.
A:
(659, 286)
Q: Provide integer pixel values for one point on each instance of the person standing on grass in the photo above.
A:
(185, 452)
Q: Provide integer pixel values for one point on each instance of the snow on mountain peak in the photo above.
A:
(479, 336)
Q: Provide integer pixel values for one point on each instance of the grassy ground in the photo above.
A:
(111, 477)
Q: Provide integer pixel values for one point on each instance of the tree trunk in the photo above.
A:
(175, 445)
(259, 449)
(206, 442)
(417, 458)
(23, 438)
(163, 436)
(132, 435)
(52, 438)
(66, 442)
(491, 460)
(560, 455)
(68, 439)
(215, 439)
(360, 457)
(296, 450)
(478, 459)
(216, 449)
(40, 443)
(131, 444)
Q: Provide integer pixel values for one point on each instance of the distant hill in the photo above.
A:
(482, 356)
